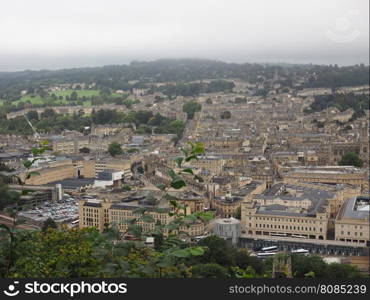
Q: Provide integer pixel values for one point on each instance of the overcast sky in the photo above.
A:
(70, 33)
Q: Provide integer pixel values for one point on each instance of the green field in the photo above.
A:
(36, 99)
(80, 93)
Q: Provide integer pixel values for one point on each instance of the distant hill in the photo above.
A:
(183, 70)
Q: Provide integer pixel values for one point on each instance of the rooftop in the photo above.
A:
(354, 208)
(227, 221)
(73, 183)
(289, 192)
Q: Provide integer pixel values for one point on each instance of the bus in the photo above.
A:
(278, 234)
(265, 254)
(299, 236)
(200, 237)
(75, 223)
(300, 251)
(270, 248)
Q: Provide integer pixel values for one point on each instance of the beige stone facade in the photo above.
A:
(54, 171)
(352, 224)
(95, 213)
(70, 146)
(112, 164)
(288, 210)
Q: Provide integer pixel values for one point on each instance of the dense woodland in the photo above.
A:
(75, 253)
(194, 89)
(359, 103)
(51, 122)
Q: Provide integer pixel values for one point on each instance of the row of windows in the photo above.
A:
(286, 227)
(130, 214)
(285, 220)
(342, 226)
(90, 209)
(349, 240)
(349, 234)
(90, 215)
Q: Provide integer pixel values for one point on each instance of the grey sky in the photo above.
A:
(55, 34)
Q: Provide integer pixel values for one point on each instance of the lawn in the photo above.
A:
(36, 99)
(80, 93)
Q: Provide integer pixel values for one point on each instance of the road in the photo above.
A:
(9, 222)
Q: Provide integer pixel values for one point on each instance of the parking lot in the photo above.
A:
(61, 212)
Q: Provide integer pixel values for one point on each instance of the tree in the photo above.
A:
(48, 113)
(156, 120)
(33, 115)
(144, 129)
(243, 260)
(225, 115)
(73, 96)
(351, 159)
(301, 265)
(143, 117)
(336, 270)
(218, 251)
(151, 200)
(238, 213)
(140, 169)
(114, 149)
(177, 127)
(56, 254)
(41, 92)
(84, 150)
(191, 107)
(158, 241)
(105, 92)
(126, 187)
(128, 103)
(8, 242)
(210, 270)
(7, 197)
(48, 223)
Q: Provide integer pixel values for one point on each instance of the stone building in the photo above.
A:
(352, 223)
(228, 228)
(287, 210)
